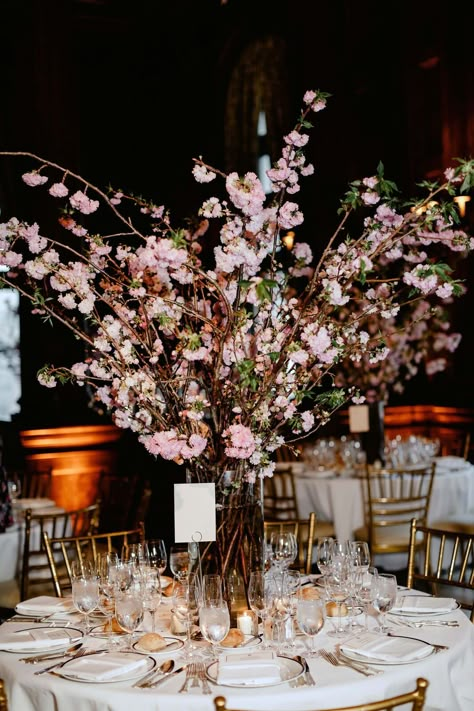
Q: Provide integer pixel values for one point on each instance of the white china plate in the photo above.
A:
(433, 613)
(246, 644)
(125, 676)
(72, 633)
(172, 645)
(354, 657)
(290, 669)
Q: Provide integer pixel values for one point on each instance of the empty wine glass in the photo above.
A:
(361, 554)
(284, 549)
(134, 553)
(212, 589)
(338, 590)
(155, 552)
(366, 592)
(180, 561)
(186, 601)
(129, 612)
(151, 592)
(384, 596)
(85, 588)
(258, 599)
(214, 623)
(311, 616)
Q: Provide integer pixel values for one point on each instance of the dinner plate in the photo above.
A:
(423, 613)
(290, 669)
(172, 645)
(354, 657)
(65, 636)
(124, 676)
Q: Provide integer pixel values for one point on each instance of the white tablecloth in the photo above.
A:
(340, 499)
(449, 674)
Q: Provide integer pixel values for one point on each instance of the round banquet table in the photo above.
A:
(449, 674)
(340, 498)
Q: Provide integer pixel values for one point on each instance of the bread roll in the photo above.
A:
(310, 593)
(113, 626)
(152, 642)
(234, 638)
(331, 609)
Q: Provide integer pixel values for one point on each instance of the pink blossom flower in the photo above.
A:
(81, 202)
(242, 443)
(33, 179)
(203, 174)
(58, 190)
(290, 215)
(246, 193)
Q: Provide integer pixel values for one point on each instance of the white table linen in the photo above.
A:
(449, 674)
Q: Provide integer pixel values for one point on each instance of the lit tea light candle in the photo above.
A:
(246, 622)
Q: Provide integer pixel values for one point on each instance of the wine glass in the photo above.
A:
(338, 589)
(151, 592)
(85, 588)
(121, 575)
(366, 591)
(284, 548)
(293, 580)
(129, 612)
(258, 598)
(214, 622)
(384, 596)
(134, 554)
(324, 554)
(105, 563)
(180, 562)
(212, 589)
(155, 552)
(186, 602)
(311, 616)
(361, 554)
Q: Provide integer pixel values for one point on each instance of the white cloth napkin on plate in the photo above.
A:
(103, 667)
(251, 669)
(424, 604)
(44, 605)
(40, 638)
(387, 649)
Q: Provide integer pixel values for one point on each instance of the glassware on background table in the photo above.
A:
(134, 553)
(214, 623)
(324, 554)
(212, 590)
(384, 596)
(155, 553)
(180, 561)
(361, 553)
(186, 602)
(338, 590)
(121, 575)
(129, 612)
(311, 617)
(85, 588)
(284, 549)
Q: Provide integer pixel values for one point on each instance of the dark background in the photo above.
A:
(127, 93)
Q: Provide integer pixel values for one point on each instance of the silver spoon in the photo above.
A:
(165, 668)
(46, 657)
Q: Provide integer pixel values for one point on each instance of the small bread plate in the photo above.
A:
(249, 642)
(28, 640)
(352, 656)
(290, 669)
(423, 613)
(172, 645)
(103, 632)
(72, 671)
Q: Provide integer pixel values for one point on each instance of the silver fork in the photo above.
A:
(81, 653)
(189, 676)
(201, 671)
(332, 659)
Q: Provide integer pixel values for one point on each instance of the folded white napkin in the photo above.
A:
(104, 667)
(40, 638)
(424, 604)
(44, 605)
(387, 649)
(249, 669)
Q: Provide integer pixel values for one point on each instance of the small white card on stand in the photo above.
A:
(359, 418)
(194, 512)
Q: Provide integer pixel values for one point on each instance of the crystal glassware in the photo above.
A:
(180, 561)
(155, 553)
(85, 589)
(311, 617)
(129, 612)
(384, 596)
(214, 623)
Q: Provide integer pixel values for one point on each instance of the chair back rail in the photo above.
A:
(63, 550)
(279, 496)
(305, 532)
(447, 560)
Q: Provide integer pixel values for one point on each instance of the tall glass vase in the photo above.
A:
(239, 544)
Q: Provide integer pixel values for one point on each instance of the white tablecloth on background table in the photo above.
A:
(449, 674)
(340, 499)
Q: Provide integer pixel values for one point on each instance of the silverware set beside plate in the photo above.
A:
(337, 660)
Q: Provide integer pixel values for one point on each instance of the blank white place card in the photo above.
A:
(359, 418)
(194, 512)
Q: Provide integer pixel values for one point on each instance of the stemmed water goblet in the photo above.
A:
(258, 598)
(293, 583)
(85, 588)
(360, 552)
(155, 553)
(311, 617)
(338, 590)
(284, 549)
(180, 561)
(214, 622)
(366, 592)
(129, 611)
(212, 589)
(186, 605)
(384, 596)
(324, 554)
(106, 563)
(151, 592)
(279, 598)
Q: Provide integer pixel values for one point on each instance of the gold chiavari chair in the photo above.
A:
(305, 532)
(36, 483)
(444, 562)
(35, 568)
(3, 697)
(416, 698)
(279, 496)
(62, 551)
(393, 497)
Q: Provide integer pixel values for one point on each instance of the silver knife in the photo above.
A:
(164, 677)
